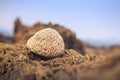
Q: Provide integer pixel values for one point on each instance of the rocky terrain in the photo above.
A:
(78, 61)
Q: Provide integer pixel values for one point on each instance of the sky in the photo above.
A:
(90, 19)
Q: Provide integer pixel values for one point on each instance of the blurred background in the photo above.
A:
(96, 22)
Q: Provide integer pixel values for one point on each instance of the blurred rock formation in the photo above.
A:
(23, 32)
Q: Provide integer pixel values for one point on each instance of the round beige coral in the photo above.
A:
(46, 42)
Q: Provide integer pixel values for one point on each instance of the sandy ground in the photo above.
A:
(78, 61)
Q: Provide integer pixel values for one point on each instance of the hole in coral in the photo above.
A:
(45, 49)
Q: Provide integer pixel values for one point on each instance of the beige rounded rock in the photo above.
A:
(46, 42)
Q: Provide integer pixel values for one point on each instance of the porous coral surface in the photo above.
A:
(46, 42)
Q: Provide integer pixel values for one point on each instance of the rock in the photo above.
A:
(46, 42)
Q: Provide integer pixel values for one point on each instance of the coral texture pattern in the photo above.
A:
(46, 42)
